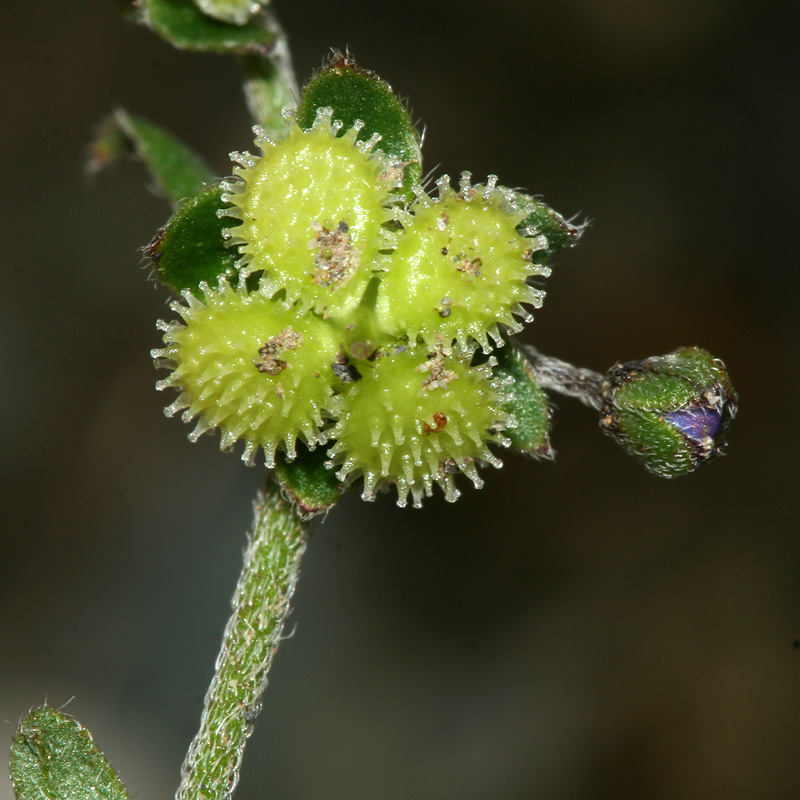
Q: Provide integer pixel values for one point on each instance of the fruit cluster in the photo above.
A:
(361, 312)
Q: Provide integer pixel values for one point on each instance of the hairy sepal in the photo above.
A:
(359, 95)
(190, 249)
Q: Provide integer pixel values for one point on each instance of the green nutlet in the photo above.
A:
(416, 418)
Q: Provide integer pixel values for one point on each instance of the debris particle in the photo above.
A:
(393, 174)
(469, 266)
(268, 353)
(439, 419)
(448, 466)
(346, 373)
(439, 377)
(335, 260)
(361, 350)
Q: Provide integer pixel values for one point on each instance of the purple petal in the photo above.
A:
(697, 423)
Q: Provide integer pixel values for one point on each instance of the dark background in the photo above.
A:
(575, 630)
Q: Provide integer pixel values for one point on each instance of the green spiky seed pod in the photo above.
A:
(460, 267)
(671, 412)
(312, 210)
(415, 418)
(246, 365)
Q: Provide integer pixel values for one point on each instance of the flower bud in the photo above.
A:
(670, 412)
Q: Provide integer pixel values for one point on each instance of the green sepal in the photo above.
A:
(53, 757)
(528, 405)
(540, 219)
(311, 487)
(185, 26)
(670, 412)
(358, 94)
(659, 447)
(176, 169)
(190, 248)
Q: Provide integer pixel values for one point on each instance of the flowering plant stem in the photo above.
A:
(252, 634)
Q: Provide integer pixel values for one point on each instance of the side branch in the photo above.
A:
(555, 375)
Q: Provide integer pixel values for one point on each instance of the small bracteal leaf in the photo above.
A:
(671, 412)
(54, 757)
(176, 169)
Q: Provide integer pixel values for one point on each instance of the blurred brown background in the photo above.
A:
(575, 630)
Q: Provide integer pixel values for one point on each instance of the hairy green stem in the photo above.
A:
(270, 84)
(260, 607)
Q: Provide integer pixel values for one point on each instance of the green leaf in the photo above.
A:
(236, 12)
(185, 26)
(54, 757)
(528, 404)
(190, 248)
(540, 219)
(176, 169)
(306, 482)
(358, 94)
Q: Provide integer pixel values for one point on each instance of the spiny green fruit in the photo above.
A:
(246, 365)
(415, 418)
(671, 412)
(312, 211)
(460, 267)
